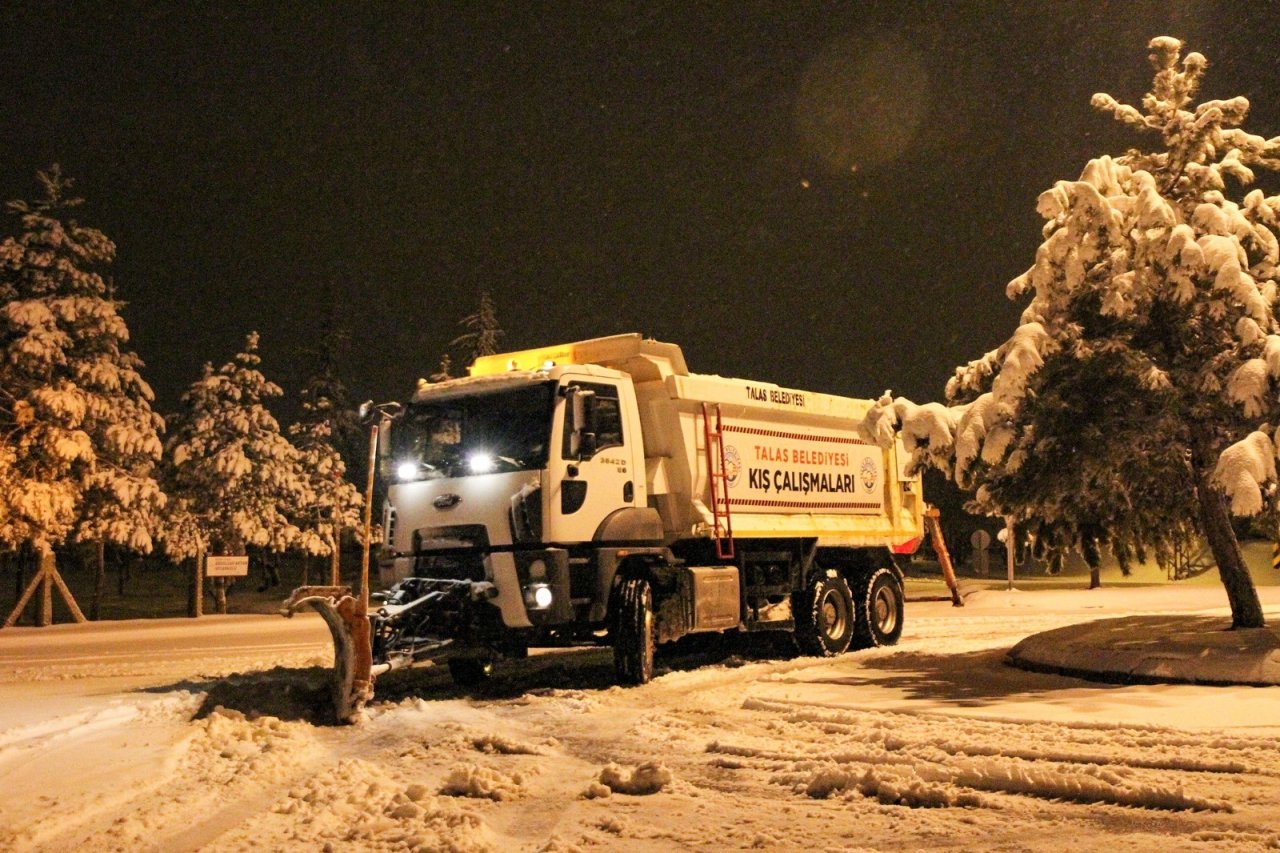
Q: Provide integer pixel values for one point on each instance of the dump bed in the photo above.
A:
(793, 464)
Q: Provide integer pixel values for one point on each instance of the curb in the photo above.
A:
(1155, 650)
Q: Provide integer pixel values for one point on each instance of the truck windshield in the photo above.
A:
(486, 433)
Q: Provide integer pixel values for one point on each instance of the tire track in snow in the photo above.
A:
(940, 760)
(1147, 747)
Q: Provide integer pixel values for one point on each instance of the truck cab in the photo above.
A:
(502, 479)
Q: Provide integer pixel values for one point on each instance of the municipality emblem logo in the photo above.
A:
(732, 465)
(868, 474)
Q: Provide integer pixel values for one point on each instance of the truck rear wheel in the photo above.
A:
(634, 641)
(879, 609)
(825, 617)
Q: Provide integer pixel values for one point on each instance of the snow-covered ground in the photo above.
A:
(175, 735)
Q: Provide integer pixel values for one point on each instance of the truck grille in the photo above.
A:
(455, 552)
(526, 515)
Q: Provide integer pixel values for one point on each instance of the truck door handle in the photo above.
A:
(628, 492)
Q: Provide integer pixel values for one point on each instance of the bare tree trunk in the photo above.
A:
(235, 548)
(271, 569)
(1092, 552)
(1246, 610)
(270, 563)
(220, 596)
(1010, 546)
(24, 556)
(195, 587)
(44, 615)
(99, 580)
(335, 559)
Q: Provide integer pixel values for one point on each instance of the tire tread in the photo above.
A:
(866, 635)
(810, 633)
(633, 643)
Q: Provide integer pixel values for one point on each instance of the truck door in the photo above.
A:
(594, 473)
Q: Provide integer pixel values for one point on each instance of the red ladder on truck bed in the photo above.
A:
(722, 520)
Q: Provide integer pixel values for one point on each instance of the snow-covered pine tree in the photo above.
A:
(233, 478)
(337, 503)
(483, 332)
(1148, 347)
(81, 441)
(328, 393)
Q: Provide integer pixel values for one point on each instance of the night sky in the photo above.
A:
(831, 196)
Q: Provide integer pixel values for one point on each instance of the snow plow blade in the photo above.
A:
(352, 684)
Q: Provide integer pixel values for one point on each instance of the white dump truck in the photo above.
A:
(598, 491)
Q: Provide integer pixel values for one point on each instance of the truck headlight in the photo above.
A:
(407, 471)
(538, 596)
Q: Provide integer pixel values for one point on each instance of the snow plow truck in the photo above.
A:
(599, 492)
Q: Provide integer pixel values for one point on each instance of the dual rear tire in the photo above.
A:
(880, 602)
(831, 617)
(824, 616)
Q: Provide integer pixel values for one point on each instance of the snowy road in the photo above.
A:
(111, 738)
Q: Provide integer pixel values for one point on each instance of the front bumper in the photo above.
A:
(501, 588)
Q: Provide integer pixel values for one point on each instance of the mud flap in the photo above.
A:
(352, 681)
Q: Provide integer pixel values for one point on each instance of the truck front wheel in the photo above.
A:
(879, 609)
(468, 672)
(824, 617)
(634, 641)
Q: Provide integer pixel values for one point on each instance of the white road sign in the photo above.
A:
(226, 567)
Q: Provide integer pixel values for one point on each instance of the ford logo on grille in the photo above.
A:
(447, 501)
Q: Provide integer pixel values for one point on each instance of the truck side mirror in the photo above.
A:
(586, 445)
(381, 415)
(582, 415)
